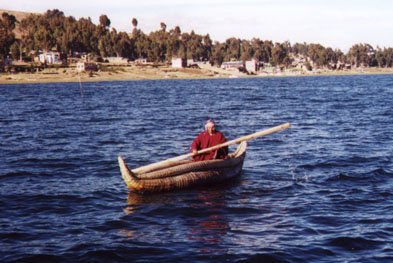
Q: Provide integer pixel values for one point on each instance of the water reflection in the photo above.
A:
(199, 217)
(210, 228)
(133, 200)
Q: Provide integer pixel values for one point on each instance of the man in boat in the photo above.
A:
(208, 138)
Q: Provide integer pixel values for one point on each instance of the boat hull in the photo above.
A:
(184, 175)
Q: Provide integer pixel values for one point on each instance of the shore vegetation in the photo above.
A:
(26, 36)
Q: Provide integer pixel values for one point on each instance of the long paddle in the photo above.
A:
(278, 128)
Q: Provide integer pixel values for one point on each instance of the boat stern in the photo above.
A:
(128, 177)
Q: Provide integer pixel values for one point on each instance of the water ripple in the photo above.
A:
(319, 192)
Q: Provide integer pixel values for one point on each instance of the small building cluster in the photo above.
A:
(248, 66)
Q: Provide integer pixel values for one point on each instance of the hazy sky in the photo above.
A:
(332, 23)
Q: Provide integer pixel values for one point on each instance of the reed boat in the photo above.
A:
(178, 173)
(184, 174)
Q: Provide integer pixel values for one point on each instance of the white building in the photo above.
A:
(179, 63)
(232, 65)
(251, 66)
(141, 61)
(86, 66)
(49, 57)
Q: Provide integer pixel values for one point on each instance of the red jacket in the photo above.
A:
(205, 140)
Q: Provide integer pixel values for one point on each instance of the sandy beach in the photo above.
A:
(132, 72)
(116, 72)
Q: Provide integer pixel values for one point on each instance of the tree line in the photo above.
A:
(69, 36)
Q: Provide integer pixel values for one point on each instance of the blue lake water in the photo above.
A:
(321, 191)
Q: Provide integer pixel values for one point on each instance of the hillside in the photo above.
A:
(19, 16)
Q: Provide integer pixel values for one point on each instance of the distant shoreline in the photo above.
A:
(162, 73)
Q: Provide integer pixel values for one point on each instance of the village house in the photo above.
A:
(179, 63)
(232, 65)
(49, 57)
(86, 66)
(140, 61)
(251, 66)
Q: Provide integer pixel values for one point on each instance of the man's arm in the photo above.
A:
(195, 145)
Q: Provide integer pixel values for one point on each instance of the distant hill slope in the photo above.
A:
(19, 16)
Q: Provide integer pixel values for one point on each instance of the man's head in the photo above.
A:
(210, 126)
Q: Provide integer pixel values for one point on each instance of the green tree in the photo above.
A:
(207, 47)
(218, 54)
(122, 45)
(7, 37)
(388, 55)
(134, 23)
(233, 49)
(105, 22)
(163, 26)
(247, 50)
(177, 31)
(8, 21)
(279, 54)
(159, 44)
(142, 45)
(362, 55)
(28, 27)
(174, 43)
(87, 36)
(195, 46)
(300, 49)
(317, 53)
(380, 58)
(262, 50)
(104, 37)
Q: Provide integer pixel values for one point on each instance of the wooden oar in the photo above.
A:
(153, 166)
